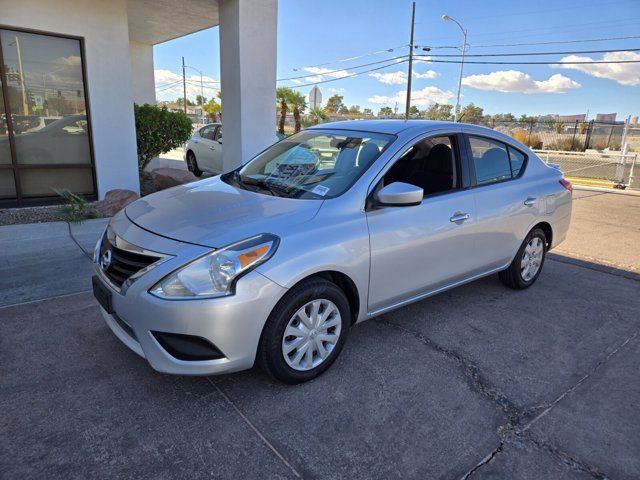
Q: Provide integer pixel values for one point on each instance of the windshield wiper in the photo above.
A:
(261, 184)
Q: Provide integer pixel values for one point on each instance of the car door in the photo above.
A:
(506, 204)
(206, 148)
(216, 151)
(419, 249)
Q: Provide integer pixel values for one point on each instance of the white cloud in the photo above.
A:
(513, 81)
(427, 74)
(390, 78)
(336, 90)
(297, 82)
(421, 98)
(320, 72)
(623, 73)
(314, 79)
(400, 77)
(169, 85)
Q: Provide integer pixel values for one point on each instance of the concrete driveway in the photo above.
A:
(479, 382)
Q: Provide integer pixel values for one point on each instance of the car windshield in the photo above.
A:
(312, 164)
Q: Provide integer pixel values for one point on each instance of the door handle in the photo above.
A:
(212, 148)
(530, 201)
(459, 217)
(195, 141)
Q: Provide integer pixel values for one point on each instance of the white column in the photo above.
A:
(144, 90)
(248, 77)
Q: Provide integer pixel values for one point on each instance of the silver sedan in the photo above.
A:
(275, 261)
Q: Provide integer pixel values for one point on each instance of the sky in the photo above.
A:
(314, 36)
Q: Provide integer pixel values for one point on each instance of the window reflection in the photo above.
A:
(46, 101)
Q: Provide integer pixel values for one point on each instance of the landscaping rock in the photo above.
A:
(170, 177)
(114, 201)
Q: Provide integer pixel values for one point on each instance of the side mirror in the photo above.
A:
(399, 194)
(220, 141)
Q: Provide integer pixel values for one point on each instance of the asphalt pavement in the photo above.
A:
(478, 382)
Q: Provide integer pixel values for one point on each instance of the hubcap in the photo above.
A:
(311, 334)
(531, 259)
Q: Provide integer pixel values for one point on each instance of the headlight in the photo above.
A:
(214, 274)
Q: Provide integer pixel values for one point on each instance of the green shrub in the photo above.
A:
(75, 209)
(158, 130)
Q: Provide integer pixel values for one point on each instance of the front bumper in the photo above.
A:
(233, 324)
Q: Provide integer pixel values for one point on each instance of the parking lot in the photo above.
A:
(478, 382)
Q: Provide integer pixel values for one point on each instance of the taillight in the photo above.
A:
(566, 184)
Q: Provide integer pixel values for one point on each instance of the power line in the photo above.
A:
(594, 62)
(348, 59)
(349, 76)
(537, 53)
(329, 72)
(552, 42)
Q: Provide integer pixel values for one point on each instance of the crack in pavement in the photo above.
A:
(255, 429)
(514, 430)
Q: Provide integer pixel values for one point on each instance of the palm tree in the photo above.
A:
(282, 98)
(298, 103)
(318, 114)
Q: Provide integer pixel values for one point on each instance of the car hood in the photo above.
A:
(213, 213)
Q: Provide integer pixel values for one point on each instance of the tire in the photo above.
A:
(192, 164)
(274, 343)
(516, 276)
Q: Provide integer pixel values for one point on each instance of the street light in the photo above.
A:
(201, 90)
(447, 18)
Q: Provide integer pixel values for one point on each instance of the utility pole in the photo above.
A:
(184, 88)
(25, 106)
(410, 73)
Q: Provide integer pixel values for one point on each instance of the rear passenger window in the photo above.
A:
(490, 159)
(517, 160)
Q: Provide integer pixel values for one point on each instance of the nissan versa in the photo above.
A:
(275, 261)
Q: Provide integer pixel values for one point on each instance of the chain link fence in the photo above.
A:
(563, 136)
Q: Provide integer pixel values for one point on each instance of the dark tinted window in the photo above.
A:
(517, 160)
(208, 132)
(429, 164)
(490, 159)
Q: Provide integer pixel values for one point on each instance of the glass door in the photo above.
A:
(45, 142)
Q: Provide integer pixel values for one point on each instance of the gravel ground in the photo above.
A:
(48, 213)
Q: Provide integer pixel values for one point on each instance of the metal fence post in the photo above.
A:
(573, 139)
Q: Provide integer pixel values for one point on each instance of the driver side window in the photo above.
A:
(430, 164)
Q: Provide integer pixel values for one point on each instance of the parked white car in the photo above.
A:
(203, 151)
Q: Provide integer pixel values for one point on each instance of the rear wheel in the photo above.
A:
(192, 164)
(527, 264)
(305, 332)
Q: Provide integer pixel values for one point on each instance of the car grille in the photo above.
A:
(124, 263)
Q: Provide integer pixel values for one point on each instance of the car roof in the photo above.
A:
(381, 126)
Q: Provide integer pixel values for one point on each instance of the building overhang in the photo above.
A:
(156, 21)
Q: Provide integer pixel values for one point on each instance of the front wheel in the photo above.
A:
(527, 264)
(305, 332)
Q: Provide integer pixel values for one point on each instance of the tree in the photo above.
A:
(180, 102)
(368, 112)
(439, 111)
(343, 110)
(213, 109)
(158, 130)
(471, 114)
(503, 117)
(414, 111)
(200, 100)
(282, 97)
(298, 103)
(385, 112)
(318, 114)
(334, 104)
(354, 110)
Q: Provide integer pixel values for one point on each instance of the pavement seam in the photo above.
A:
(587, 262)
(511, 430)
(19, 304)
(254, 428)
(86, 254)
